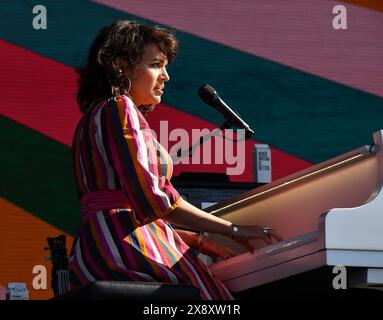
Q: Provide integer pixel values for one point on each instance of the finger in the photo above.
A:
(266, 238)
(277, 238)
(246, 244)
(231, 252)
(222, 253)
(225, 255)
(275, 235)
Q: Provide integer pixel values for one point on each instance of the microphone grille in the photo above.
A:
(207, 93)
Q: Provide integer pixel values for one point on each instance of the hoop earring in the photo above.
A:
(123, 79)
(130, 84)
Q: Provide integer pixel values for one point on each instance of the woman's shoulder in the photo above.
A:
(126, 109)
(122, 98)
(122, 102)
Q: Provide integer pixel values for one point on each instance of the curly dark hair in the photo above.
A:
(99, 78)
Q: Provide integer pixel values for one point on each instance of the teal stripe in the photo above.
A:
(36, 175)
(299, 113)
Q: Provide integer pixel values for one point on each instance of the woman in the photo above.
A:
(123, 173)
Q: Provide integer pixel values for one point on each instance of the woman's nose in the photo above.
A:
(165, 75)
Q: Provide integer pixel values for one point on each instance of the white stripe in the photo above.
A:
(113, 248)
(82, 165)
(100, 146)
(143, 275)
(84, 174)
(142, 156)
(157, 254)
(108, 237)
(165, 153)
(152, 245)
(81, 262)
(171, 240)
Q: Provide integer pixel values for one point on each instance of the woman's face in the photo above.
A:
(149, 77)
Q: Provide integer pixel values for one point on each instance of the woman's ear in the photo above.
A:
(121, 65)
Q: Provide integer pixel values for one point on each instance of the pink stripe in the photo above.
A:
(190, 266)
(100, 164)
(182, 248)
(132, 259)
(79, 171)
(86, 254)
(96, 158)
(116, 223)
(100, 236)
(161, 266)
(297, 33)
(162, 228)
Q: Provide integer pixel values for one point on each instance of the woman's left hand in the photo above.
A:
(206, 246)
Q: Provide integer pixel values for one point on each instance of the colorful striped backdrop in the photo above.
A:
(309, 91)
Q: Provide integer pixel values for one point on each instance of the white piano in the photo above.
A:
(330, 214)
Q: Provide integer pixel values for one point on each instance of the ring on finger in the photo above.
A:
(266, 229)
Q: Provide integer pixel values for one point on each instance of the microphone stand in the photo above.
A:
(189, 152)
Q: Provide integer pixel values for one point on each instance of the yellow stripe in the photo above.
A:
(159, 232)
(145, 251)
(22, 241)
(184, 267)
(142, 242)
(165, 154)
(96, 154)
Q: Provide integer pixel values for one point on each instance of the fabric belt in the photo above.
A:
(101, 200)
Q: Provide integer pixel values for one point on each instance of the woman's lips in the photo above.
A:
(158, 91)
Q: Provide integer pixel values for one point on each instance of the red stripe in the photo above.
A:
(38, 92)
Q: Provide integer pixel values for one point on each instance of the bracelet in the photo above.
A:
(234, 230)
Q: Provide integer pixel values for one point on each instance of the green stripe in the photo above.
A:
(36, 174)
(299, 113)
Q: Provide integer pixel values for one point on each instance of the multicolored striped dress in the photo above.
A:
(123, 179)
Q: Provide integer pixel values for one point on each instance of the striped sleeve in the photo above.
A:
(151, 196)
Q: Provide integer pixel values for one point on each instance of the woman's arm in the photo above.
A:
(189, 216)
(206, 246)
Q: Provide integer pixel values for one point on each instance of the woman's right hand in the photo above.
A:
(246, 233)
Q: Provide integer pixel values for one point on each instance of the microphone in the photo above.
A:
(212, 98)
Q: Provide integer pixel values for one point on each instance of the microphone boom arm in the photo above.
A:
(181, 153)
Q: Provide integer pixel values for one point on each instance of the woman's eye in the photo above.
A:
(158, 65)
